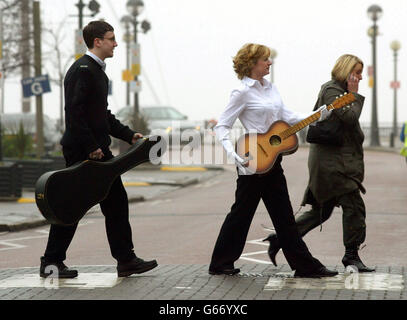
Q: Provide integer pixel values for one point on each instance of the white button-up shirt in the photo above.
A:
(257, 106)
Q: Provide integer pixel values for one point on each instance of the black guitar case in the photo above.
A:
(64, 196)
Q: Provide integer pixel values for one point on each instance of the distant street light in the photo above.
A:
(395, 46)
(135, 7)
(273, 55)
(126, 21)
(93, 6)
(374, 12)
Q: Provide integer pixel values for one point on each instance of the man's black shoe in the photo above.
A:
(318, 273)
(56, 270)
(226, 271)
(136, 265)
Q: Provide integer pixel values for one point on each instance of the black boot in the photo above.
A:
(61, 270)
(351, 257)
(274, 247)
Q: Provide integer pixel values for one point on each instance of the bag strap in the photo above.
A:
(317, 104)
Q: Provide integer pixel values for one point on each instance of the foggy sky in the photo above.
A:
(187, 55)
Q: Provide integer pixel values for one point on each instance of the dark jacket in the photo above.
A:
(88, 122)
(337, 170)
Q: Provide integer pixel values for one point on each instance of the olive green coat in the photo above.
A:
(337, 170)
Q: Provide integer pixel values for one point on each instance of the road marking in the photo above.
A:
(255, 260)
(83, 281)
(26, 200)
(350, 281)
(245, 256)
(253, 253)
(136, 184)
(207, 184)
(155, 202)
(258, 241)
(355, 281)
(10, 243)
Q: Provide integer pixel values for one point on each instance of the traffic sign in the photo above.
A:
(371, 82)
(80, 46)
(135, 86)
(35, 86)
(395, 84)
(127, 76)
(370, 71)
(135, 59)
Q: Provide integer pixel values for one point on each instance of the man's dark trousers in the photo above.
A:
(114, 208)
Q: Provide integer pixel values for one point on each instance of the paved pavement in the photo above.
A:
(173, 285)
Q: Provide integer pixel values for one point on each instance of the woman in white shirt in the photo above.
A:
(257, 104)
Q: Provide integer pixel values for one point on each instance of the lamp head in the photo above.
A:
(135, 7)
(94, 6)
(395, 45)
(374, 12)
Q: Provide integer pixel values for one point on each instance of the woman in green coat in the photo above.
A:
(336, 170)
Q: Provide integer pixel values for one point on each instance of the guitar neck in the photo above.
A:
(302, 124)
(127, 160)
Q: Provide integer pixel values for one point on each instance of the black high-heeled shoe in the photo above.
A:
(274, 247)
(351, 257)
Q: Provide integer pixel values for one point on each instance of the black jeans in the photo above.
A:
(114, 207)
(272, 189)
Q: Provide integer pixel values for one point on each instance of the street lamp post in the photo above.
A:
(374, 12)
(135, 7)
(93, 6)
(395, 46)
(273, 55)
(126, 21)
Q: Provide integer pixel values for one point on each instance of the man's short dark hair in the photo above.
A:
(95, 29)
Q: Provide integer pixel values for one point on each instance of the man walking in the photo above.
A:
(89, 125)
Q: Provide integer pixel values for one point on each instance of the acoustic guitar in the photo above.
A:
(64, 196)
(262, 150)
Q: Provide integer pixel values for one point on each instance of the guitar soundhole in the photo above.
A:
(275, 140)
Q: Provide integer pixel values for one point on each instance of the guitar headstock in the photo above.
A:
(344, 100)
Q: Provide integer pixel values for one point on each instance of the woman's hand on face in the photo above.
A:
(353, 83)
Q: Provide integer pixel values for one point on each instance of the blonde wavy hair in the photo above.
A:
(247, 57)
(344, 67)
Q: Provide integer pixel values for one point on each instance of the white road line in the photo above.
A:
(255, 260)
(260, 242)
(253, 253)
(10, 243)
(156, 202)
(207, 184)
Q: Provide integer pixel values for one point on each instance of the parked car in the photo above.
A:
(10, 124)
(166, 121)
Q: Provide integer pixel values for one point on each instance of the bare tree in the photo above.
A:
(13, 36)
(59, 60)
(25, 46)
